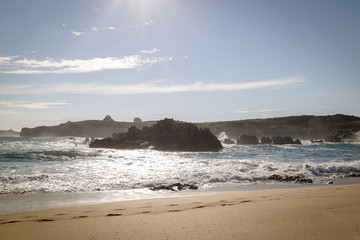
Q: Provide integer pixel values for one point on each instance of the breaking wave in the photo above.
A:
(61, 165)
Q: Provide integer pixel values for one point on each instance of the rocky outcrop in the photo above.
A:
(286, 178)
(175, 187)
(247, 140)
(279, 140)
(166, 135)
(265, 140)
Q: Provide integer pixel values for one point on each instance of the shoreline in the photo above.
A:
(324, 212)
(41, 201)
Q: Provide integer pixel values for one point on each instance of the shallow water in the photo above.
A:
(60, 165)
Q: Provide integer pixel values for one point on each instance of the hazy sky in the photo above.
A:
(192, 60)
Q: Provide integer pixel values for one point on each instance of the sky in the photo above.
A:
(191, 60)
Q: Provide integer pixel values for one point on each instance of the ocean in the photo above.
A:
(65, 165)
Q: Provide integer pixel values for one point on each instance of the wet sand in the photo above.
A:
(327, 212)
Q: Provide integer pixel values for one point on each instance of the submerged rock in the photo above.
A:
(174, 187)
(286, 178)
(353, 174)
(166, 135)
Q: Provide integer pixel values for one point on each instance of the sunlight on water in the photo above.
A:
(68, 165)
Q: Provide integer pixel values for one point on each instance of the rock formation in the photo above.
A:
(248, 140)
(228, 141)
(265, 140)
(166, 135)
(284, 140)
(286, 178)
(175, 187)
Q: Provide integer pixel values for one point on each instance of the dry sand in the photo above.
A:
(330, 212)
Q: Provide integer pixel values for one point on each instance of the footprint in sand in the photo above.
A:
(78, 217)
(10, 222)
(45, 220)
(113, 215)
(199, 207)
(176, 210)
(227, 204)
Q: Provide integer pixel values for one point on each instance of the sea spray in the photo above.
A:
(56, 165)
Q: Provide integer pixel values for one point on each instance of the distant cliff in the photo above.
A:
(88, 128)
(330, 128)
(9, 133)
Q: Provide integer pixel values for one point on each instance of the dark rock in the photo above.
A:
(108, 118)
(228, 141)
(245, 139)
(175, 187)
(285, 178)
(297, 141)
(353, 175)
(282, 140)
(265, 140)
(166, 135)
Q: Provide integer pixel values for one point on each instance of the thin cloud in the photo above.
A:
(7, 113)
(13, 65)
(6, 60)
(148, 23)
(154, 50)
(262, 110)
(111, 28)
(77, 33)
(32, 105)
(141, 88)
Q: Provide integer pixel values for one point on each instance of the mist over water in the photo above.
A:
(68, 165)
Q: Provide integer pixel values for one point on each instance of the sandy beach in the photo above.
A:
(328, 212)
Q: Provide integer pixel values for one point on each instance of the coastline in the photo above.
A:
(323, 212)
(10, 204)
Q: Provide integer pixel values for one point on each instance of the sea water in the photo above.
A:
(68, 165)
